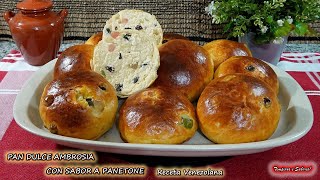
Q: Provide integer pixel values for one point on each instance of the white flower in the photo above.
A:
(210, 8)
(278, 40)
(215, 19)
(207, 10)
(289, 20)
(280, 22)
(264, 29)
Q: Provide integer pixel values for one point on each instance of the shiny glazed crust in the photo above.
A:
(249, 66)
(157, 116)
(170, 36)
(221, 50)
(94, 39)
(185, 67)
(81, 105)
(237, 109)
(73, 59)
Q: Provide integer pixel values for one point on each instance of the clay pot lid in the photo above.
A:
(34, 5)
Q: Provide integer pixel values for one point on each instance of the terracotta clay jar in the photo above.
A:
(36, 30)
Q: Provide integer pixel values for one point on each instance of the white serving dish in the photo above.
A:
(296, 120)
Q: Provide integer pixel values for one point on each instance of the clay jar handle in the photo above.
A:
(8, 15)
(63, 14)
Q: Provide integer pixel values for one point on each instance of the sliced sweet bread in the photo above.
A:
(138, 20)
(129, 61)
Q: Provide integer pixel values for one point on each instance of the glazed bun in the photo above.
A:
(157, 116)
(221, 50)
(94, 39)
(170, 36)
(238, 108)
(73, 59)
(81, 105)
(184, 66)
(249, 66)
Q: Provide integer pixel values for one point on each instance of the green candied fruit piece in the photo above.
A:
(187, 122)
(103, 73)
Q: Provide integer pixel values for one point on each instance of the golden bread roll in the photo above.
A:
(238, 108)
(75, 58)
(249, 66)
(184, 66)
(81, 105)
(221, 50)
(170, 36)
(94, 39)
(157, 116)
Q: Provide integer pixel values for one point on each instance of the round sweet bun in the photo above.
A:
(184, 66)
(221, 50)
(170, 36)
(75, 58)
(80, 105)
(238, 108)
(157, 116)
(249, 66)
(94, 39)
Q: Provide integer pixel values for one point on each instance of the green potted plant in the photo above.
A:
(265, 25)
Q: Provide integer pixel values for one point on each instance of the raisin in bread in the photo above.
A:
(134, 20)
(129, 61)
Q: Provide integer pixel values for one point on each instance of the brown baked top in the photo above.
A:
(185, 67)
(75, 58)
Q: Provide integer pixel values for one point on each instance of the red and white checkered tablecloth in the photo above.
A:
(14, 72)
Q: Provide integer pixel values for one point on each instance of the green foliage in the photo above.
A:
(269, 19)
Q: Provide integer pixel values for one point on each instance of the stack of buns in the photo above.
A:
(78, 102)
(159, 76)
(240, 105)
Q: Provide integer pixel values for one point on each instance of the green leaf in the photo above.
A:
(227, 27)
(301, 28)
(282, 31)
(187, 121)
(269, 19)
(103, 73)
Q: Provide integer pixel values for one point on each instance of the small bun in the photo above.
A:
(73, 59)
(94, 39)
(157, 116)
(185, 67)
(170, 36)
(221, 50)
(81, 105)
(249, 66)
(238, 108)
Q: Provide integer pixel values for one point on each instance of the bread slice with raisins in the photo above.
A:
(138, 20)
(128, 59)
